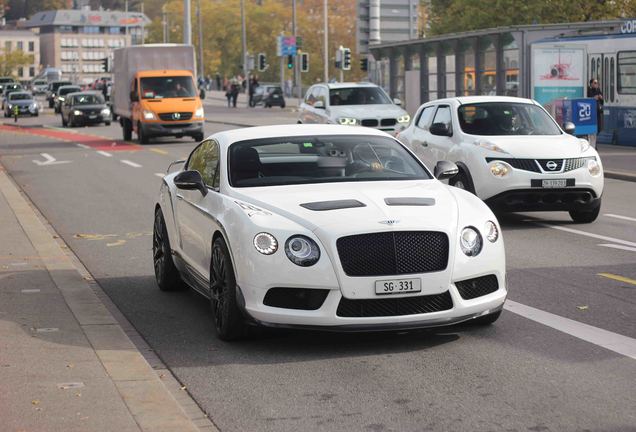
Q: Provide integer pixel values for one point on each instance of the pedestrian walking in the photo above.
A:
(232, 93)
(594, 91)
(252, 88)
(218, 81)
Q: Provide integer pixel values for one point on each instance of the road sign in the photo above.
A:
(286, 45)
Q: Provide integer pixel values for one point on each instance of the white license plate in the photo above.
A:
(177, 130)
(554, 183)
(397, 286)
(92, 117)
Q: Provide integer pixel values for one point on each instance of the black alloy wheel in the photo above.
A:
(143, 138)
(228, 319)
(166, 273)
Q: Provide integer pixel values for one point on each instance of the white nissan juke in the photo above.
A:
(510, 153)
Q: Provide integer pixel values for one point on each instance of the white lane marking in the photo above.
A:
(30, 291)
(84, 146)
(160, 175)
(103, 153)
(49, 160)
(627, 218)
(621, 247)
(612, 341)
(132, 164)
(587, 234)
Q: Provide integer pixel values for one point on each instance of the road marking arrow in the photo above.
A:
(50, 160)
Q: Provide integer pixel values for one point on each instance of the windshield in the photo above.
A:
(64, 91)
(88, 99)
(167, 87)
(505, 118)
(41, 82)
(321, 159)
(6, 80)
(20, 96)
(57, 85)
(358, 96)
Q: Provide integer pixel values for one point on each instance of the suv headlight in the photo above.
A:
(347, 121)
(593, 167)
(404, 119)
(500, 169)
(302, 251)
(199, 112)
(77, 112)
(61, 98)
(470, 241)
(149, 115)
(106, 112)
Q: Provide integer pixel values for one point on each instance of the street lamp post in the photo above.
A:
(325, 42)
(201, 70)
(187, 30)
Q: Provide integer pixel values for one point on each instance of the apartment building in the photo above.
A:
(23, 40)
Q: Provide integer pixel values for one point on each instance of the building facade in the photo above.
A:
(385, 21)
(27, 42)
(78, 41)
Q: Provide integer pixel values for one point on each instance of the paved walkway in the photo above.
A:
(67, 361)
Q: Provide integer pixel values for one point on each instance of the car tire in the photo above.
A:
(107, 123)
(126, 128)
(582, 216)
(228, 319)
(486, 319)
(198, 137)
(166, 273)
(282, 106)
(143, 138)
(462, 181)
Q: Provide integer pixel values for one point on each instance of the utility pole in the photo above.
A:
(143, 25)
(326, 41)
(201, 70)
(187, 29)
(244, 39)
(297, 80)
(164, 22)
(127, 23)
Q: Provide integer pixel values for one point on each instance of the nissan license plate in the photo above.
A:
(397, 286)
(554, 183)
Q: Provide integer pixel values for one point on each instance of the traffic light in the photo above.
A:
(106, 64)
(364, 64)
(290, 61)
(304, 62)
(346, 59)
(262, 62)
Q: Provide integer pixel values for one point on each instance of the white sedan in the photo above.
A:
(325, 227)
(510, 153)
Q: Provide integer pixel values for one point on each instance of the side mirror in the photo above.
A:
(397, 101)
(190, 180)
(319, 105)
(134, 97)
(569, 128)
(445, 170)
(440, 129)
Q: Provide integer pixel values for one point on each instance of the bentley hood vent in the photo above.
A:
(332, 205)
(409, 201)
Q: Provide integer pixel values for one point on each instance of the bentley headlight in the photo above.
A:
(499, 169)
(593, 167)
(489, 146)
(149, 115)
(198, 112)
(106, 112)
(584, 145)
(347, 121)
(265, 243)
(470, 241)
(77, 112)
(302, 250)
(492, 233)
(404, 119)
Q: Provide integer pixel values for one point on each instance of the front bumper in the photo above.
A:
(172, 129)
(538, 199)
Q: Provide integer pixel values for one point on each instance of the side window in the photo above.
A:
(310, 98)
(322, 96)
(424, 121)
(205, 159)
(443, 115)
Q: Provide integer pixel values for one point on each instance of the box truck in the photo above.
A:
(154, 92)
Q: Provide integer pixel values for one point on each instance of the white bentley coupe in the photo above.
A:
(325, 227)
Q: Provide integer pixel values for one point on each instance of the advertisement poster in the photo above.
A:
(557, 72)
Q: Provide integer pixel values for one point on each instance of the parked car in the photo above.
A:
(25, 103)
(4, 81)
(510, 153)
(356, 104)
(39, 86)
(84, 108)
(8, 89)
(52, 89)
(61, 92)
(268, 96)
(325, 227)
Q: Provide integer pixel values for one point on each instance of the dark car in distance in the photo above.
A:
(8, 89)
(268, 96)
(60, 94)
(52, 90)
(84, 108)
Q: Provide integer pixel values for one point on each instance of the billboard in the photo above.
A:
(558, 71)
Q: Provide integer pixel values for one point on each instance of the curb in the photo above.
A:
(620, 175)
(153, 396)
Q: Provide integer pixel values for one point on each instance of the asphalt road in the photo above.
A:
(530, 371)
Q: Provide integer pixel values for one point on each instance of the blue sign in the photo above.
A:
(286, 45)
(581, 112)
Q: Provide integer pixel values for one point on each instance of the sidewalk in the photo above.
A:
(66, 363)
